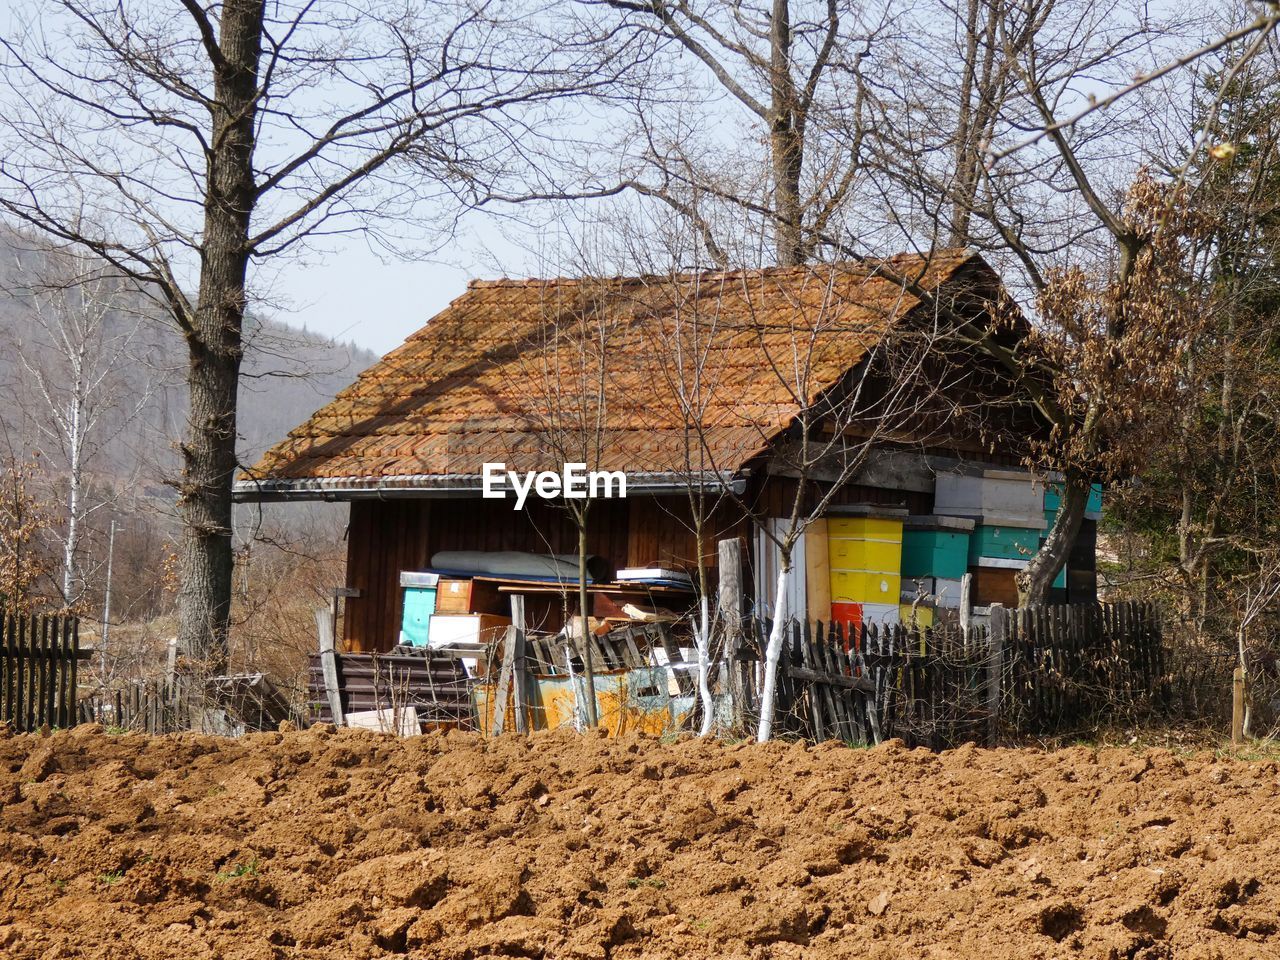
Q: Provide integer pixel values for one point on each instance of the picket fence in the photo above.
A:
(1038, 670)
(39, 662)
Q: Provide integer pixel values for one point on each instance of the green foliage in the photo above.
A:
(1201, 520)
(247, 869)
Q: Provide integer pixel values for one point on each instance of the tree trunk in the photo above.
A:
(213, 336)
(786, 147)
(584, 614)
(1035, 582)
(963, 190)
(75, 480)
(703, 640)
(773, 650)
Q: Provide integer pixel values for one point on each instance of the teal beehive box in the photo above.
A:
(1003, 543)
(1053, 499)
(419, 605)
(935, 547)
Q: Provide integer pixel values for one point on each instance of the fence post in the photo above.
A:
(966, 606)
(995, 669)
(729, 560)
(1237, 705)
(520, 666)
(504, 680)
(329, 663)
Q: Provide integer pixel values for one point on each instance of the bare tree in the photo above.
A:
(185, 147)
(681, 333)
(787, 69)
(798, 322)
(1074, 225)
(74, 391)
(24, 519)
(561, 391)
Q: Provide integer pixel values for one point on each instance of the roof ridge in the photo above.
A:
(941, 255)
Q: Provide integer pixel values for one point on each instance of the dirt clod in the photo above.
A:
(328, 844)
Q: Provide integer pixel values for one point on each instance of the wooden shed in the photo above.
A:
(534, 373)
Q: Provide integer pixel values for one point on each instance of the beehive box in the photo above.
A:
(998, 496)
(995, 585)
(861, 586)
(880, 614)
(1003, 542)
(847, 614)
(936, 547)
(865, 558)
(922, 614)
(945, 593)
(1053, 499)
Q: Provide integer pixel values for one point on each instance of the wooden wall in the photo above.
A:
(387, 536)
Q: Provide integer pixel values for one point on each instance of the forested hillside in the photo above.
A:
(92, 408)
(288, 372)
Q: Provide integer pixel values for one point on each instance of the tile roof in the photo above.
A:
(537, 372)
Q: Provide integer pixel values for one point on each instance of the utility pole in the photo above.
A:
(106, 596)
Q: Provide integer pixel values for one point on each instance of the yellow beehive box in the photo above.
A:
(861, 586)
(888, 529)
(923, 615)
(881, 556)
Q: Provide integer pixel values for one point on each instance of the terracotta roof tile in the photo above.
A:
(499, 374)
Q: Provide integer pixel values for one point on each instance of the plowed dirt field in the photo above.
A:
(350, 845)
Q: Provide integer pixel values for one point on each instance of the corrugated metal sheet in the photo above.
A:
(487, 378)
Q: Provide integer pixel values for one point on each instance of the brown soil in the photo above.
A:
(351, 845)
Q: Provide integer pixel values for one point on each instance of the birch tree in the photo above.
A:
(73, 390)
(802, 324)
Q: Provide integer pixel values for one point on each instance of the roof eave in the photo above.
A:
(429, 486)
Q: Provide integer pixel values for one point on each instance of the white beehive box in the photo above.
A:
(1008, 498)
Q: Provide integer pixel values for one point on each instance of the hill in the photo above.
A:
(287, 372)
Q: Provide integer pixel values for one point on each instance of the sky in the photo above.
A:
(376, 300)
(351, 294)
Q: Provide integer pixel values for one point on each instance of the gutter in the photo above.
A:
(447, 486)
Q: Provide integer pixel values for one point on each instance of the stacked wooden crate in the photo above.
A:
(445, 611)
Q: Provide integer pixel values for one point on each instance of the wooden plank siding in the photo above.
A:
(385, 537)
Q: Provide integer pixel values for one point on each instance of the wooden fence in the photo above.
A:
(1032, 671)
(225, 704)
(39, 661)
(1066, 666)
(148, 706)
(869, 684)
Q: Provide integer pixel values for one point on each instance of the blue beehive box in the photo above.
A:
(419, 605)
(935, 547)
